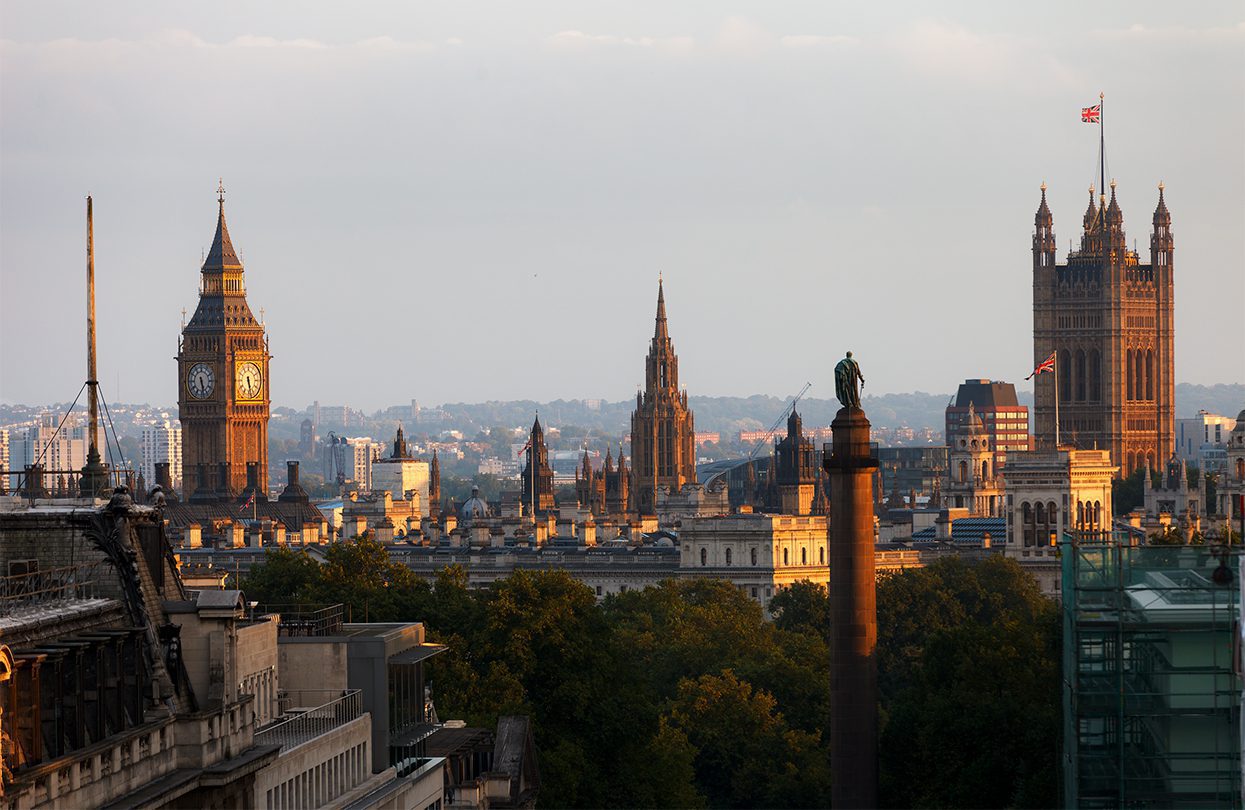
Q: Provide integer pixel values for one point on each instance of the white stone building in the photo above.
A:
(1052, 494)
(162, 442)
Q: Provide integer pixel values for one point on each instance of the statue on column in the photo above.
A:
(846, 374)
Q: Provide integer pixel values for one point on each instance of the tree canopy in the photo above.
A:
(685, 695)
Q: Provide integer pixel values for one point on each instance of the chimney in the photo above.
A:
(224, 490)
(293, 490)
(164, 477)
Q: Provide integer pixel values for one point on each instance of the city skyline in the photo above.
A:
(776, 189)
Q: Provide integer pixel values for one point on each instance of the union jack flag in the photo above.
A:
(524, 448)
(249, 501)
(1090, 115)
(1046, 365)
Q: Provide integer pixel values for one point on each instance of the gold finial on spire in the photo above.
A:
(1091, 190)
(1043, 185)
(1113, 184)
(1160, 185)
(220, 191)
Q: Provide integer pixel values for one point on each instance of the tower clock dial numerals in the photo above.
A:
(249, 383)
(200, 382)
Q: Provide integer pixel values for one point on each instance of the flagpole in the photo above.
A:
(1056, 370)
(1102, 147)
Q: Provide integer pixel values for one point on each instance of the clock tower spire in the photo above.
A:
(222, 363)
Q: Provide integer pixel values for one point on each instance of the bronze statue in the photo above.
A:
(846, 373)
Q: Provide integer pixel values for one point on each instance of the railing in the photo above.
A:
(312, 723)
(39, 587)
(307, 620)
(43, 483)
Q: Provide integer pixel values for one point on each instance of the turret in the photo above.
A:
(1161, 244)
(1115, 227)
(1043, 235)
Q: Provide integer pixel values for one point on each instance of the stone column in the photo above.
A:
(853, 610)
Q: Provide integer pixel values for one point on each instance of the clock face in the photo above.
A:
(249, 381)
(200, 382)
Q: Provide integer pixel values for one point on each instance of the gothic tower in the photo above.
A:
(1110, 321)
(663, 439)
(538, 459)
(222, 365)
(794, 469)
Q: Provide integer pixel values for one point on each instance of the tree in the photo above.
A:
(803, 607)
(285, 577)
(969, 666)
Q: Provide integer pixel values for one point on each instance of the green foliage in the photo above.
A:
(684, 695)
(969, 665)
(1128, 493)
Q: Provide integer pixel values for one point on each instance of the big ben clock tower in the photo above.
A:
(222, 365)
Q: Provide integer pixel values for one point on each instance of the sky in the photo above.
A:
(464, 201)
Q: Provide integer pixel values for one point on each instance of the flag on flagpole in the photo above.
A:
(524, 448)
(1091, 115)
(1046, 365)
(249, 501)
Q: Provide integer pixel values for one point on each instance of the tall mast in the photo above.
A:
(94, 475)
(92, 381)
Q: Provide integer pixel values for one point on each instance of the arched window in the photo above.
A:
(785, 561)
(728, 556)
(1027, 520)
(821, 555)
(1080, 375)
(1080, 514)
(985, 470)
(803, 556)
(1052, 521)
(1139, 374)
(1040, 511)
(1097, 515)
(1065, 376)
(1149, 374)
(1128, 374)
(704, 556)
(754, 555)
(963, 471)
(1095, 375)
(1240, 469)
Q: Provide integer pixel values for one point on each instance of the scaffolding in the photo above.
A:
(1152, 685)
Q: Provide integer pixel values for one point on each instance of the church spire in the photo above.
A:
(661, 332)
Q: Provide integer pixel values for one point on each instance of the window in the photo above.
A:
(821, 555)
(728, 556)
(598, 590)
(754, 592)
(803, 556)
(785, 561)
(704, 556)
(754, 555)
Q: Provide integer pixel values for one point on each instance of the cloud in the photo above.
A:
(741, 35)
(575, 39)
(1177, 34)
(816, 41)
(946, 48)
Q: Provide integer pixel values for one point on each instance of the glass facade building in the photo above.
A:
(1152, 682)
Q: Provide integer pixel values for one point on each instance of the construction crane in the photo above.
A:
(782, 416)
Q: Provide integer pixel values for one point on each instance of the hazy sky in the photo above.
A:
(460, 201)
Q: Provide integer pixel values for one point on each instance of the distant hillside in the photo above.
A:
(1225, 400)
